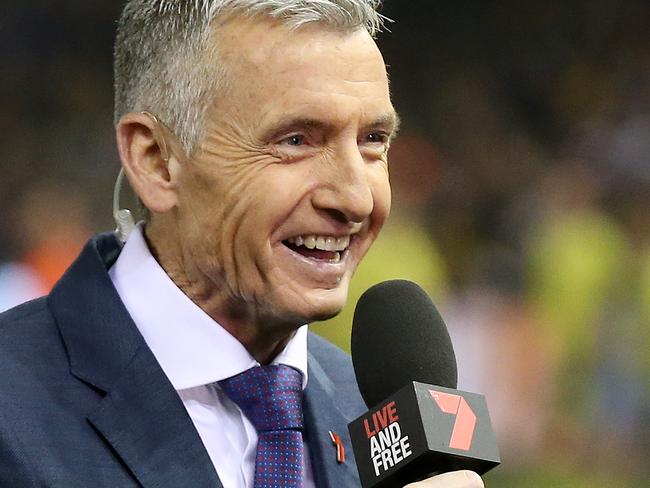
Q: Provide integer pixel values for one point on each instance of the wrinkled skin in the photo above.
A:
(296, 145)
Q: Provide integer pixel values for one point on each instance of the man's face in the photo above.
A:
(289, 187)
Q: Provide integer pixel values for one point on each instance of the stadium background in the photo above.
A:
(521, 202)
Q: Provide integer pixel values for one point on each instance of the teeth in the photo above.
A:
(310, 242)
(324, 243)
(336, 258)
(342, 243)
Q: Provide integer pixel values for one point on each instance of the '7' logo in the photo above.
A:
(463, 431)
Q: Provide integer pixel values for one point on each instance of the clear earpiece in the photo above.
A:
(122, 216)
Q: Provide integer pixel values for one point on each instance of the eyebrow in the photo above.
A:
(389, 120)
(289, 124)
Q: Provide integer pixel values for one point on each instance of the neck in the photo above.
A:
(262, 341)
(263, 337)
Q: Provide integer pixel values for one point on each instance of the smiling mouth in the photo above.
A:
(321, 248)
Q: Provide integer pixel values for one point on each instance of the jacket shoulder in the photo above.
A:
(22, 318)
(30, 343)
(330, 362)
(327, 353)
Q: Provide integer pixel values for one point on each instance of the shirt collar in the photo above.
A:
(191, 347)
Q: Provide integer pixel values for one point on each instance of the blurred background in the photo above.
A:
(521, 203)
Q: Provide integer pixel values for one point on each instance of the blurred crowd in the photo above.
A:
(521, 189)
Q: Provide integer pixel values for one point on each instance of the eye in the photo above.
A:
(293, 140)
(377, 138)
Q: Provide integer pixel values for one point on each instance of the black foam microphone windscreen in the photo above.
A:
(398, 337)
(417, 423)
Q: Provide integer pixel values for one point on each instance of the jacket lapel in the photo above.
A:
(322, 415)
(145, 421)
(141, 415)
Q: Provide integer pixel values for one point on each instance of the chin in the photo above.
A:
(316, 305)
(324, 315)
(329, 303)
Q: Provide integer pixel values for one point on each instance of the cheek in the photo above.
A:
(381, 193)
(216, 206)
(233, 214)
(217, 193)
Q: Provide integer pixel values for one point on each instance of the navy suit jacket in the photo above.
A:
(84, 403)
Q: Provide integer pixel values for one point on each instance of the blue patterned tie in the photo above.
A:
(271, 398)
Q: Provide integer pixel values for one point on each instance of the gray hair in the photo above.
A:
(162, 47)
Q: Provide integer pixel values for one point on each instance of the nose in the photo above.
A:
(346, 190)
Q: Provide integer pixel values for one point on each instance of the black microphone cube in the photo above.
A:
(423, 430)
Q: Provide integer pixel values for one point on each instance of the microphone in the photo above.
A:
(418, 423)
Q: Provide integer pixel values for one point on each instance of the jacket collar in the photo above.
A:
(98, 333)
(140, 414)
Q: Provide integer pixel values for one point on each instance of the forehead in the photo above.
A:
(267, 62)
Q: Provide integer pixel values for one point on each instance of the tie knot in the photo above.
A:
(269, 396)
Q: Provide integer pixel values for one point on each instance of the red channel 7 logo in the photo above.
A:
(463, 431)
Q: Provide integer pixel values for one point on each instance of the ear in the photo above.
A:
(145, 160)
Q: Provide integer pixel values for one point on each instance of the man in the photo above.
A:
(256, 135)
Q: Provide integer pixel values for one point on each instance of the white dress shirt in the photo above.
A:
(195, 352)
